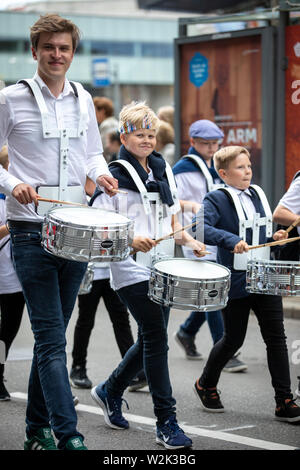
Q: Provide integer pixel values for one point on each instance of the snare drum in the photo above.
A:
(273, 277)
(87, 282)
(87, 234)
(189, 284)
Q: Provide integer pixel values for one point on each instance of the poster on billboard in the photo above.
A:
(221, 80)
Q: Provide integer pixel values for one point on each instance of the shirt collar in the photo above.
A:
(239, 191)
(67, 87)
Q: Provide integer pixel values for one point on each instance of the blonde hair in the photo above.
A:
(225, 155)
(53, 23)
(4, 156)
(137, 115)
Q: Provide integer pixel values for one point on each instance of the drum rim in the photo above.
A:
(183, 278)
(272, 262)
(50, 217)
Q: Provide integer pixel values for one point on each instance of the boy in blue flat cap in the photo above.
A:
(195, 175)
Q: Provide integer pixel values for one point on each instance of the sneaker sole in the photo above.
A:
(197, 358)
(209, 410)
(102, 405)
(235, 369)
(288, 420)
(165, 444)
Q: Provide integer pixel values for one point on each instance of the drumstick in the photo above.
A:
(278, 242)
(176, 231)
(119, 191)
(56, 201)
(294, 224)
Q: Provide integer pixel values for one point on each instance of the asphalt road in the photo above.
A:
(247, 424)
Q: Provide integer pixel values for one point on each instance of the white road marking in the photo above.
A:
(220, 435)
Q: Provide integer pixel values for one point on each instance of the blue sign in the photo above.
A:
(101, 72)
(198, 69)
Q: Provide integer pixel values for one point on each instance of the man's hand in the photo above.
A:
(25, 194)
(143, 244)
(280, 235)
(197, 247)
(109, 184)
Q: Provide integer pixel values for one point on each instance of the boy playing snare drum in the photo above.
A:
(223, 211)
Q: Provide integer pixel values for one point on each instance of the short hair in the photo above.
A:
(53, 23)
(225, 155)
(137, 115)
(165, 134)
(101, 102)
(114, 137)
(4, 156)
(166, 113)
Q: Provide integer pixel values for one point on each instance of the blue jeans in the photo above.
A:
(150, 352)
(195, 320)
(50, 286)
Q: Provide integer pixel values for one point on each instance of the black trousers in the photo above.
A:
(269, 312)
(11, 308)
(117, 311)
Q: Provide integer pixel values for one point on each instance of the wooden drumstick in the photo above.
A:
(56, 201)
(293, 225)
(278, 242)
(176, 231)
(120, 191)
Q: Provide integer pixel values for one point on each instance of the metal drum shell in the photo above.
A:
(188, 293)
(273, 277)
(99, 242)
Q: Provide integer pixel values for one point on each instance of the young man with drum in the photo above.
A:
(152, 202)
(233, 217)
(53, 143)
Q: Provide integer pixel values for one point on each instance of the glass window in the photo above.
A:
(112, 48)
(157, 49)
(8, 46)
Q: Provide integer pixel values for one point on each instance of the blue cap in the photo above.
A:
(205, 129)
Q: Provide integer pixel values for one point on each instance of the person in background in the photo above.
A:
(166, 113)
(165, 142)
(106, 121)
(113, 144)
(11, 296)
(195, 176)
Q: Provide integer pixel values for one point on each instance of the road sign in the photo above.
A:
(101, 72)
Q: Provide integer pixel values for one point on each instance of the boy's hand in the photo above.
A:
(143, 244)
(241, 247)
(281, 235)
(197, 247)
(25, 194)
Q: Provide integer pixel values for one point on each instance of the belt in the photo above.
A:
(24, 225)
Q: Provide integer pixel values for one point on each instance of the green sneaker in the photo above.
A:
(75, 443)
(43, 440)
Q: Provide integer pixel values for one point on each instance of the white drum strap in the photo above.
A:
(205, 171)
(63, 134)
(173, 187)
(240, 260)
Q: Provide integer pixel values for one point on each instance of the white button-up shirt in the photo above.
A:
(291, 199)
(35, 160)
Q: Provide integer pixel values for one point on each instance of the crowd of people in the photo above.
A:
(58, 141)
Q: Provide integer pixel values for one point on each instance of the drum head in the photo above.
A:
(191, 269)
(89, 216)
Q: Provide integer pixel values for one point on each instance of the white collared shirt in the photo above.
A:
(291, 199)
(35, 160)
(246, 201)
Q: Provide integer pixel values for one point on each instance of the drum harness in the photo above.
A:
(204, 170)
(63, 191)
(166, 247)
(240, 259)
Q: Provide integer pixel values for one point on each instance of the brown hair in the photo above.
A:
(165, 134)
(166, 113)
(53, 23)
(101, 102)
(225, 155)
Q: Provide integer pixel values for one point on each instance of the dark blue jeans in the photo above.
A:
(150, 352)
(50, 286)
(195, 320)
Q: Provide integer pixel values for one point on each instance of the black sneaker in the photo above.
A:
(235, 365)
(288, 411)
(138, 382)
(297, 392)
(187, 343)
(4, 395)
(79, 378)
(209, 398)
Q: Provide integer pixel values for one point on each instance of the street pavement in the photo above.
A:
(247, 424)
